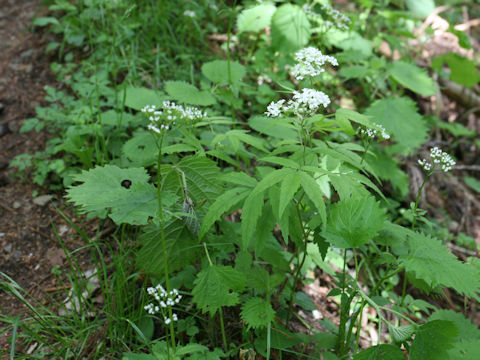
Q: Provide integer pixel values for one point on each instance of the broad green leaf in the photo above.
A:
(467, 330)
(290, 28)
(412, 77)
(400, 118)
(137, 97)
(141, 149)
(280, 128)
(353, 72)
(102, 189)
(288, 188)
(256, 18)
(201, 175)
(421, 8)
(181, 248)
(313, 191)
(217, 286)
(217, 72)
(221, 205)
(462, 70)
(433, 340)
(380, 352)
(239, 178)
(257, 313)
(465, 350)
(186, 93)
(432, 262)
(251, 212)
(353, 222)
(44, 21)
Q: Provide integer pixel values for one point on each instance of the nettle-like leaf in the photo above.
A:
(125, 192)
(181, 247)
(412, 77)
(186, 93)
(467, 330)
(433, 340)
(432, 262)
(217, 286)
(257, 313)
(256, 18)
(353, 222)
(380, 352)
(400, 118)
(290, 28)
(217, 72)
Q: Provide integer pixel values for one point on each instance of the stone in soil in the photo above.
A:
(42, 200)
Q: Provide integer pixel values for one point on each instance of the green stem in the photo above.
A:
(162, 236)
(365, 152)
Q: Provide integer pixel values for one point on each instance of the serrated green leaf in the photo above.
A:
(257, 313)
(467, 330)
(465, 350)
(400, 118)
(137, 97)
(181, 248)
(412, 77)
(288, 188)
(433, 340)
(353, 222)
(380, 352)
(290, 28)
(401, 333)
(217, 72)
(221, 205)
(256, 18)
(102, 189)
(216, 286)
(436, 265)
(186, 93)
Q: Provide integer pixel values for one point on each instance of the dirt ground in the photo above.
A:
(29, 248)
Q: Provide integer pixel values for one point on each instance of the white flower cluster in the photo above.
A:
(189, 13)
(440, 160)
(170, 112)
(340, 20)
(310, 63)
(164, 299)
(372, 133)
(305, 102)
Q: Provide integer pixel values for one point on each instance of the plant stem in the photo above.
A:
(162, 236)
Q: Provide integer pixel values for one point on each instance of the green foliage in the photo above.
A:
(433, 340)
(222, 72)
(462, 70)
(104, 188)
(472, 183)
(138, 97)
(400, 118)
(412, 77)
(381, 352)
(255, 18)
(434, 264)
(189, 94)
(353, 222)
(290, 28)
(217, 286)
(257, 313)
(421, 8)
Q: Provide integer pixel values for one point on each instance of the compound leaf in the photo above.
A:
(217, 286)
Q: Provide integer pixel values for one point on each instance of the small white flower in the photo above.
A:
(167, 321)
(440, 161)
(372, 133)
(310, 62)
(189, 13)
(304, 103)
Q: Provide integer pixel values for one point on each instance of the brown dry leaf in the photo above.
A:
(55, 256)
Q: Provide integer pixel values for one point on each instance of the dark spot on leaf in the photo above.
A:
(141, 147)
(126, 184)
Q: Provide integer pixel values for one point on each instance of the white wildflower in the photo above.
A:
(165, 301)
(304, 103)
(371, 133)
(189, 13)
(310, 62)
(440, 160)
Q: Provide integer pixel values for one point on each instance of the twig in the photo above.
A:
(467, 167)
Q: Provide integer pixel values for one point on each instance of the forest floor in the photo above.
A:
(29, 247)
